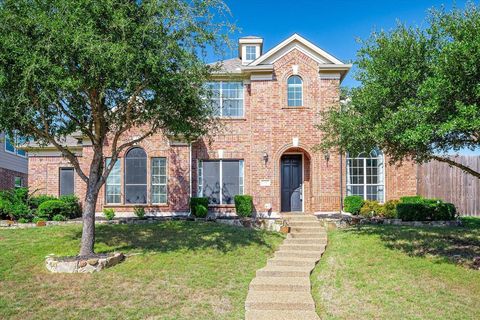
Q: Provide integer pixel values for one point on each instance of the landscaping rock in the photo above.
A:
(82, 265)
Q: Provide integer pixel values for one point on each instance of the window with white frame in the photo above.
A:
(365, 176)
(113, 184)
(10, 147)
(159, 180)
(226, 98)
(18, 182)
(220, 180)
(135, 183)
(250, 53)
(295, 91)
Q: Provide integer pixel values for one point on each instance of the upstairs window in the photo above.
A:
(136, 176)
(295, 91)
(250, 53)
(365, 176)
(10, 147)
(227, 98)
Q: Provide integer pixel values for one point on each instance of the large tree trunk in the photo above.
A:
(90, 203)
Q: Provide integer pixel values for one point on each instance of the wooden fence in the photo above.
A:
(438, 180)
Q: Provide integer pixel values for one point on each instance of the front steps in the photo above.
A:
(281, 290)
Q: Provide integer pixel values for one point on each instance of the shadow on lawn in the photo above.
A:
(177, 235)
(459, 245)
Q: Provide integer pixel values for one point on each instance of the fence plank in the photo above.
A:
(439, 180)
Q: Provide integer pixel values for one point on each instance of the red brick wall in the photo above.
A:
(7, 178)
(269, 126)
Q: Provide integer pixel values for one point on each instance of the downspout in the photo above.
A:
(190, 175)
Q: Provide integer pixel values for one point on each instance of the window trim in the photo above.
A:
(241, 183)
(301, 91)
(364, 157)
(220, 96)
(119, 160)
(60, 179)
(151, 181)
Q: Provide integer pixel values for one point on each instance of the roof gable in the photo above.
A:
(296, 42)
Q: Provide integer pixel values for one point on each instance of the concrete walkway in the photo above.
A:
(281, 290)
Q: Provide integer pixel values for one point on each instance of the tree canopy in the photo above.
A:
(101, 68)
(419, 93)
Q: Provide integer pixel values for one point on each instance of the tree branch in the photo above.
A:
(458, 165)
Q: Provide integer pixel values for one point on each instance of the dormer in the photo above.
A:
(249, 48)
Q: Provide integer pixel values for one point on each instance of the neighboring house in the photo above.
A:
(13, 164)
(269, 103)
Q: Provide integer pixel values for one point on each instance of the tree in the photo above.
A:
(419, 97)
(102, 68)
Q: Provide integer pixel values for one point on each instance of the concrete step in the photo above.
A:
(312, 241)
(279, 300)
(292, 262)
(295, 284)
(302, 247)
(281, 315)
(317, 254)
(302, 223)
(314, 229)
(284, 271)
(305, 235)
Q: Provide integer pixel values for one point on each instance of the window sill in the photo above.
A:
(296, 108)
(232, 118)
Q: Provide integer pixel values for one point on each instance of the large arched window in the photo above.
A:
(136, 176)
(365, 175)
(295, 91)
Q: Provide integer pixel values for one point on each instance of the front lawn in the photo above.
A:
(177, 270)
(391, 272)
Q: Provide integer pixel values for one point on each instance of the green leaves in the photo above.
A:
(420, 90)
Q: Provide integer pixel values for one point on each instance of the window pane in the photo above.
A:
(18, 182)
(113, 187)
(211, 181)
(159, 180)
(366, 174)
(250, 53)
(231, 181)
(232, 99)
(66, 181)
(8, 145)
(136, 176)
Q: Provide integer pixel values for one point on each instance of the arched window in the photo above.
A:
(295, 91)
(136, 176)
(365, 175)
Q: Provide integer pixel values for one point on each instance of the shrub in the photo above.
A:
(37, 219)
(201, 211)
(195, 201)
(371, 209)
(20, 195)
(23, 220)
(20, 210)
(139, 212)
(5, 207)
(36, 201)
(445, 211)
(59, 217)
(411, 199)
(73, 205)
(352, 204)
(109, 213)
(426, 210)
(244, 205)
(391, 209)
(51, 208)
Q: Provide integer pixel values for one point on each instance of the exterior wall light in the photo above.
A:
(265, 157)
(326, 155)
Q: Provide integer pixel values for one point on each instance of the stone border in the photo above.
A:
(347, 221)
(272, 224)
(82, 265)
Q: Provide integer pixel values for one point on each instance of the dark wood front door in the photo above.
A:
(291, 183)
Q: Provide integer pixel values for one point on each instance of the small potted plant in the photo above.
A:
(285, 228)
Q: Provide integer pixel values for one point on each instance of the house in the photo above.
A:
(13, 164)
(269, 104)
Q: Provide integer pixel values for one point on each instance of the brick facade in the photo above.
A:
(269, 127)
(7, 178)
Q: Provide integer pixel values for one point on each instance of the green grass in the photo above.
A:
(390, 272)
(178, 270)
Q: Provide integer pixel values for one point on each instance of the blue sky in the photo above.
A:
(332, 25)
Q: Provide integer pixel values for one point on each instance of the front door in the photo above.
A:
(291, 183)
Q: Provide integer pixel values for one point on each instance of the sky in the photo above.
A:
(332, 25)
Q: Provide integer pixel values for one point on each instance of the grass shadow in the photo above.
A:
(459, 245)
(171, 236)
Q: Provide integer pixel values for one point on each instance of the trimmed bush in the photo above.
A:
(411, 199)
(201, 211)
(195, 201)
(244, 205)
(51, 208)
(59, 217)
(5, 207)
(38, 219)
(109, 213)
(36, 201)
(391, 209)
(352, 204)
(23, 220)
(426, 210)
(73, 205)
(371, 209)
(139, 212)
